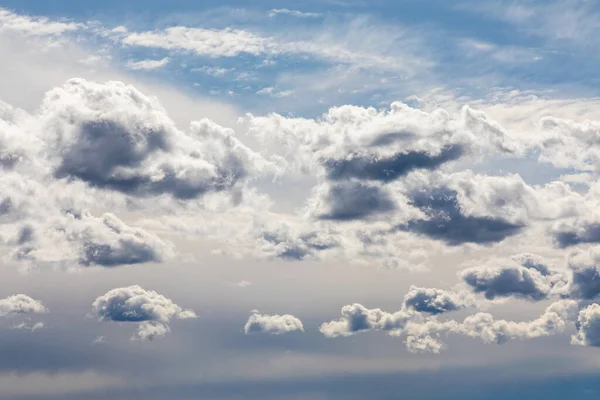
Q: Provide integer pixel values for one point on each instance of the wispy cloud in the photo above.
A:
(295, 13)
(147, 64)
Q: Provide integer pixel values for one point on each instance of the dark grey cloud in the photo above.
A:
(387, 169)
(585, 274)
(436, 301)
(524, 276)
(447, 222)
(352, 200)
(576, 232)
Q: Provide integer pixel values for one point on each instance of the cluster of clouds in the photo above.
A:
(390, 185)
(106, 146)
(573, 288)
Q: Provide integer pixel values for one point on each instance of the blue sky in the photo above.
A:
(299, 199)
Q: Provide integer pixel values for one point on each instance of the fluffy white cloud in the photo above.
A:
(152, 311)
(272, 324)
(20, 304)
(588, 326)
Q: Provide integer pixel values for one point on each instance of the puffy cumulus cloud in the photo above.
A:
(357, 318)
(436, 301)
(588, 327)
(570, 144)
(272, 324)
(585, 273)
(21, 304)
(524, 276)
(152, 311)
(113, 136)
(108, 146)
(369, 144)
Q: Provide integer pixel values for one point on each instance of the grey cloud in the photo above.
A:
(272, 324)
(585, 273)
(524, 276)
(574, 232)
(387, 169)
(345, 201)
(134, 304)
(436, 301)
(446, 221)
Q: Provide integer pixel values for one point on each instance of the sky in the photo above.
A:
(299, 199)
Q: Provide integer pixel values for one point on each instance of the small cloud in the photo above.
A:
(99, 340)
(243, 284)
(269, 91)
(147, 64)
(25, 326)
(213, 71)
(272, 324)
(294, 13)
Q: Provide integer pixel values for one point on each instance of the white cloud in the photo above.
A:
(34, 26)
(272, 324)
(152, 311)
(147, 64)
(20, 304)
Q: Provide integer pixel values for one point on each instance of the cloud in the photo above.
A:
(147, 64)
(388, 168)
(351, 200)
(524, 276)
(112, 136)
(588, 327)
(272, 324)
(357, 318)
(585, 273)
(574, 231)
(207, 42)
(20, 304)
(34, 26)
(436, 301)
(152, 311)
(423, 334)
(294, 13)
